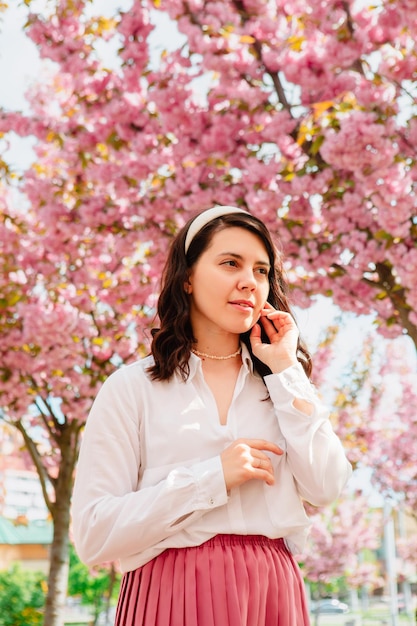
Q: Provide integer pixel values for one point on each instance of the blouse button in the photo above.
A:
(211, 501)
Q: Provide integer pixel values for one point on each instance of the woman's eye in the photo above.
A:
(263, 270)
(231, 263)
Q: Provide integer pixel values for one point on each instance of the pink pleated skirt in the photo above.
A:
(230, 580)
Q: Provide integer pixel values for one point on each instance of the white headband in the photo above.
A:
(204, 218)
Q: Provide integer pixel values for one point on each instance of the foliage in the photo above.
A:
(22, 596)
(95, 587)
(334, 588)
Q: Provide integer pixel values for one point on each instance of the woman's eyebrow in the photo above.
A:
(235, 255)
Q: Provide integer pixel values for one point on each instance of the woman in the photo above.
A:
(195, 460)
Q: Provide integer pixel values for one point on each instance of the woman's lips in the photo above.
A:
(244, 305)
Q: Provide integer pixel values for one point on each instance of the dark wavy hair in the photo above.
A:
(172, 342)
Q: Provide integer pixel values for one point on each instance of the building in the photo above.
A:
(21, 494)
(20, 488)
(26, 542)
(25, 528)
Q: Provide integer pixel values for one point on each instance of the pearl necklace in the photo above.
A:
(217, 358)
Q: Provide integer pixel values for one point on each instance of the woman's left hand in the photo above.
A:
(282, 333)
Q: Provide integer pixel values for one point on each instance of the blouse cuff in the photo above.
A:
(290, 383)
(209, 479)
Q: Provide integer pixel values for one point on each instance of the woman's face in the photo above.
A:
(228, 284)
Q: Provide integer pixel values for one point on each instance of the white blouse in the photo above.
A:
(149, 475)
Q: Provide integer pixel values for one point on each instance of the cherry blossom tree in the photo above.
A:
(375, 413)
(59, 342)
(302, 112)
(407, 551)
(394, 454)
(308, 120)
(339, 536)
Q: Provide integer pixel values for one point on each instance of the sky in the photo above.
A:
(19, 62)
(19, 65)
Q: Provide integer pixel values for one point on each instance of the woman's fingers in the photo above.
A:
(262, 444)
(246, 459)
(280, 348)
(275, 321)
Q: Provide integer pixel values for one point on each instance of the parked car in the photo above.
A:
(328, 605)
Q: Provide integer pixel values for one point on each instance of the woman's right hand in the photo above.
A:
(245, 459)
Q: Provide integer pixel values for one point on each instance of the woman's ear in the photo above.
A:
(187, 286)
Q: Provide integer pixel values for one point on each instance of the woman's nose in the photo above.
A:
(247, 280)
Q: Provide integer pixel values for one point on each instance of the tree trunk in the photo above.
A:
(112, 582)
(58, 571)
(68, 442)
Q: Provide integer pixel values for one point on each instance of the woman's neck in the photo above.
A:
(217, 348)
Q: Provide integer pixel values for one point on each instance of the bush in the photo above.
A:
(22, 596)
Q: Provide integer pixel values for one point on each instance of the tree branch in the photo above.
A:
(32, 448)
(397, 295)
(395, 292)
